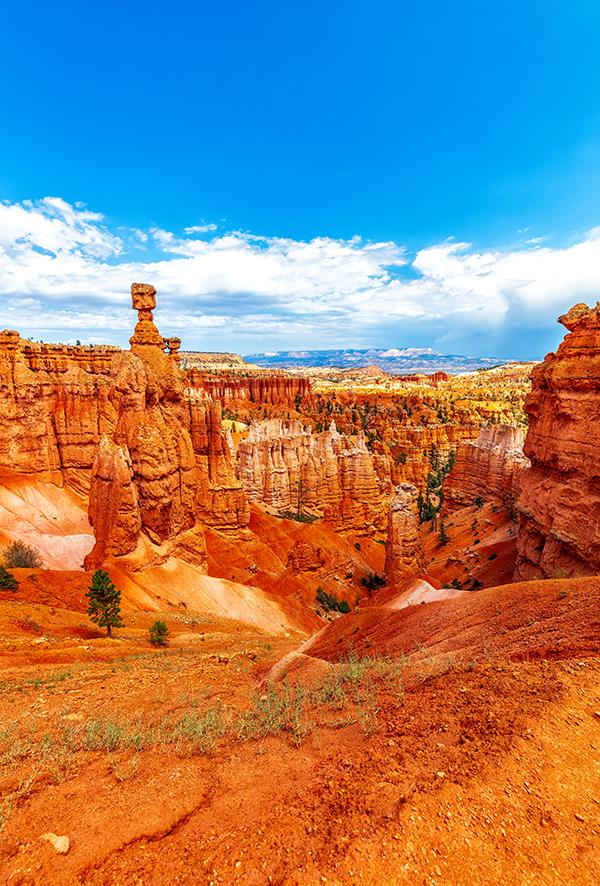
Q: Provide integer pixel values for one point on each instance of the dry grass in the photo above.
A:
(37, 749)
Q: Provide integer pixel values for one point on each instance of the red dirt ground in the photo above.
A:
(477, 762)
(481, 545)
(540, 619)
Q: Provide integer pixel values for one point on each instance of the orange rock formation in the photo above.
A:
(559, 505)
(165, 467)
(119, 426)
(290, 468)
(54, 407)
(273, 389)
(489, 467)
(402, 549)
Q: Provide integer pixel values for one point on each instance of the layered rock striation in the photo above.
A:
(402, 550)
(559, 504)
(489, 467)
(120, 427)
(286, 466)
(271, 389)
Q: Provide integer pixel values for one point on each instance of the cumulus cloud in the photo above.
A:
(65, 274)
(200, 229)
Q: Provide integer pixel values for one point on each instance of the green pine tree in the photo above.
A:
(444, 539)
(105, 602)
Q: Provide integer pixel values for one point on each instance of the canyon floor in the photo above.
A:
(469, 753)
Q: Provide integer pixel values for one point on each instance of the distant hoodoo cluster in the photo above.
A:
(139, 433)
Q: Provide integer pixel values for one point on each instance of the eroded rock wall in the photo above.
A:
(272, 389)
(54, 408)
(559, 504)
(489, 467)
(288, 467)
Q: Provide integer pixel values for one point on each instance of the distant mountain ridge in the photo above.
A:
(397, 361)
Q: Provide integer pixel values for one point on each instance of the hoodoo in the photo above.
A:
(559, 505)
(288, 467)
(402, 553)
(490, 466)
(165, 466)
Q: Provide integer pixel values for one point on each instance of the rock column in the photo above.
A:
(402, 549)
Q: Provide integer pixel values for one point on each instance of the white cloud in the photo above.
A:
(200, 229)
(65, 274)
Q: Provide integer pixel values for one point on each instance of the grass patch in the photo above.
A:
(276, 710)
(350, 693)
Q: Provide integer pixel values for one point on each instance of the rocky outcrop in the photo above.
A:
(54, 407)
(489, 467)
(166, 467)
(329, 475)
(305, 557)
(114, 510)
(272, 389)
(559, 504)
(402, 548)
(433, 380)
(120, 427)
(220, 500)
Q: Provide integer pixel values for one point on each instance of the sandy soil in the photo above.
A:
(482, 545)
(461, 760)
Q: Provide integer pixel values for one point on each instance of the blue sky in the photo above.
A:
(386, 174)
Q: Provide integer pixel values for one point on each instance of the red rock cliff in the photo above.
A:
(286, 465)
(559, 505)
(489, 467)
(273, 389)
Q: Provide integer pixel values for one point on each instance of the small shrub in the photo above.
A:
(478, 502)
(357, 545)
(330, 603)
(444, 539)
(159, 633)
(18, 555)
(372, 582)
(7, 580)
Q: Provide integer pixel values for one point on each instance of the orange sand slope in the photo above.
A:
(477, 763)
(51, 518)
(541, 619)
